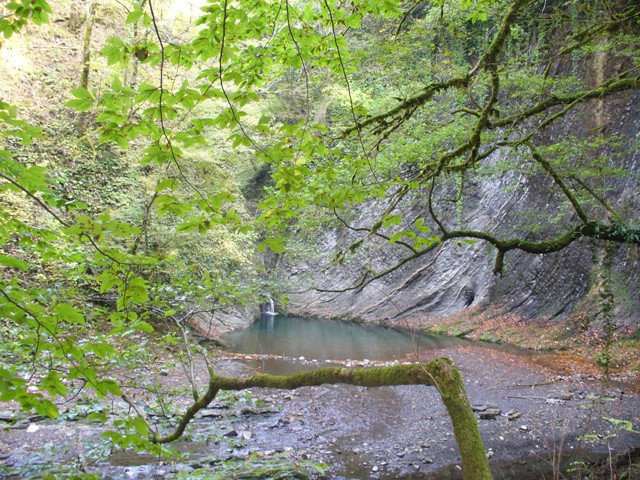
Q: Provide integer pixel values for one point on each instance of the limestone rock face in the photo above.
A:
(454, 278)
(212, 324)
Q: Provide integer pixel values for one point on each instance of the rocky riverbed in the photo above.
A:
(532, 410)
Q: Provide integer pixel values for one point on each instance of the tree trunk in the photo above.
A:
(86, 43)
(440, 373)
(86, 57)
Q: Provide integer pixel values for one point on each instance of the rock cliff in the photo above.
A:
(457, 278)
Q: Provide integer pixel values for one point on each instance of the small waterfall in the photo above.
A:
(268, 308)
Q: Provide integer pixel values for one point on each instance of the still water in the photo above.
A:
(331, 340)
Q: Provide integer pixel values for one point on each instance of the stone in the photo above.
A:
(210, 412)
(479, 407)
(32, 428)
(489, 413)
(513, 414)
(20, 425)
(230, 433)
(6, 416)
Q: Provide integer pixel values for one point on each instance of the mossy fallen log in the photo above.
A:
(440, 373)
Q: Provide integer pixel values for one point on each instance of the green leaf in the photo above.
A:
(390, 220)
(97, 416)
(108, 279)
(399, 235)
(47, 409)
(69, 314)
(81, 93)
(134, 16)
(143, 326)
(13, 262)
(140, 426)
(419, 224)
(275, 244)
(108, 386)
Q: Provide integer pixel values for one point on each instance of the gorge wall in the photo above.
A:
(459, 278)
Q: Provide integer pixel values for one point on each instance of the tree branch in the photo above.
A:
(440, 373)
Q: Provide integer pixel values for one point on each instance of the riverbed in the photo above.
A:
(545, 403)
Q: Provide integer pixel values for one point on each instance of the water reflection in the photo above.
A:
(330, 340)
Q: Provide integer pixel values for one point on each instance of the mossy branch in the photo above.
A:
(440, 373)
(615, 232)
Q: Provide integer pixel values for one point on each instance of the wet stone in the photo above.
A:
(490, 413)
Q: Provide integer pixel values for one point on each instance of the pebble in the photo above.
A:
(32, 428)
(524, 427)
(513, 414)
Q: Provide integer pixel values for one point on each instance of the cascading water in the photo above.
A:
(268, 308)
